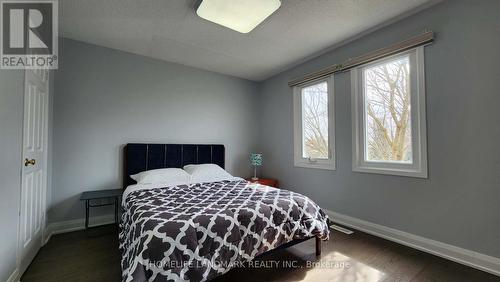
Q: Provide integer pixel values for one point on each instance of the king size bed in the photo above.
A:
(200, 229)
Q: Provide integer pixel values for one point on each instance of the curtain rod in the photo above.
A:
(422, 39)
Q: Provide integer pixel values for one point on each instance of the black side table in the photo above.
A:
(88, 196)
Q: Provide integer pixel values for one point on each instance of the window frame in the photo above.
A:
(299, 161)
(418, 167)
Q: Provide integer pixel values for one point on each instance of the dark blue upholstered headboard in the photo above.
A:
(141, 157)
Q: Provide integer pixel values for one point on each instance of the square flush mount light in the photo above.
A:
(239, 15)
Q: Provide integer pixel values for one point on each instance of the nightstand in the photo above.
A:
(265, 181)
(114, 195)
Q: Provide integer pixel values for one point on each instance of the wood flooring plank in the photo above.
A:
(359, 257)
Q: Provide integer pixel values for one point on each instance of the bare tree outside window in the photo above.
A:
(388, 112)
(315, 121)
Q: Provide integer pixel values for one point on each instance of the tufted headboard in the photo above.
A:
(141, 157)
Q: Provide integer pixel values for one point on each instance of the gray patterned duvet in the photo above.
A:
(200, 231)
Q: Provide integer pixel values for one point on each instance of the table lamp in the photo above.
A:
(255, 160)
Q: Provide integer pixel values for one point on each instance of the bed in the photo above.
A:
(198, 231)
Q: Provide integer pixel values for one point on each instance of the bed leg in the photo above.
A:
(318, 246)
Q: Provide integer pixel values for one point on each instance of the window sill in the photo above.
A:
(324, 166)
(417, 173)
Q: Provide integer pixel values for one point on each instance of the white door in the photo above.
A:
(34, 166)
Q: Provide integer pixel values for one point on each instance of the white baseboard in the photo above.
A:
(76, 224)
(466, 257)
(14, 277)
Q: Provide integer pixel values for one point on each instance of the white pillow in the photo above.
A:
(207, 173)
(173, 176)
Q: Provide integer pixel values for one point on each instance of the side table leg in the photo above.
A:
(86, 215)
(116, 212)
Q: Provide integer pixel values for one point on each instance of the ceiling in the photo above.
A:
(170, 30)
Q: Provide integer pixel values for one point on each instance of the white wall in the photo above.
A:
(459, 203)
(11, 127)
(106, 98)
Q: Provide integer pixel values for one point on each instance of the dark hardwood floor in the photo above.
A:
(77, 256)
(358, 257)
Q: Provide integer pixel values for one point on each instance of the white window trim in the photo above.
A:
(299, 161)
(418, 120)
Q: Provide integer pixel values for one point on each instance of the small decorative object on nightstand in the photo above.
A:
(265, 181)
(255, 160)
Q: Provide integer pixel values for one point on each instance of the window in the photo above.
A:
(314, 125)
(388, 115)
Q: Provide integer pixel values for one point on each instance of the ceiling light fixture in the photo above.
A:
(240, 15)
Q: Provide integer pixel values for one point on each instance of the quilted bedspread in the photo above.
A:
(199, 231)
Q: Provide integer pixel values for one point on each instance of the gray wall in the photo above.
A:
(459, 203)
(106, 98)
(11, 129)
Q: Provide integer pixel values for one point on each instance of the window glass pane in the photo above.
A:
(315, 121)
(387, 111)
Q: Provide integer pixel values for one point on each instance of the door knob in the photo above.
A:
(28, 162)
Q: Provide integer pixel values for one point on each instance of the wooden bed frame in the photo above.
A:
(141, 157)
